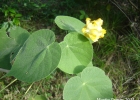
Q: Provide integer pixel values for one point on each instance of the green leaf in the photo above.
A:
(16, 21)
(5, 26)
(19, 35)
(38, 97)
(5, 62)
(9, 46)
(38, 57)
(6, 13)
(82, 17)
(69, 23)
(6, 43)
(36, 5)
(12, 15)
(76, 53)
(82, 12)
(92, 84)
(18, 15)
(12, 10)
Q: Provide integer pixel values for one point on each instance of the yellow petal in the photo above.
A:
(87, 35)
(90, 26)
(94, 32)
(84, 30)
(88, 20)
(93, 37)
(99, 21)
(103, 31)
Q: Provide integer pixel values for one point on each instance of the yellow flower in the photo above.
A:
(93, 29)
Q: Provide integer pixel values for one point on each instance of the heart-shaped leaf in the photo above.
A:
(91, 85)
(76, 53)
(7, 44)
(19, 35)
(69, 23)
(38, 97)
(38, 57)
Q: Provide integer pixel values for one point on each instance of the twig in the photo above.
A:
(109, 60)
(132, 23)
(8, 85)
(27, 91)
(133, 5)
(115, 3)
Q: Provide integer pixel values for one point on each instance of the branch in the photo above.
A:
(133, 5)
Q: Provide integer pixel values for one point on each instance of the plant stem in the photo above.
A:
(4, 70)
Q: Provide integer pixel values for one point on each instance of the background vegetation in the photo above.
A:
(118, 54)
